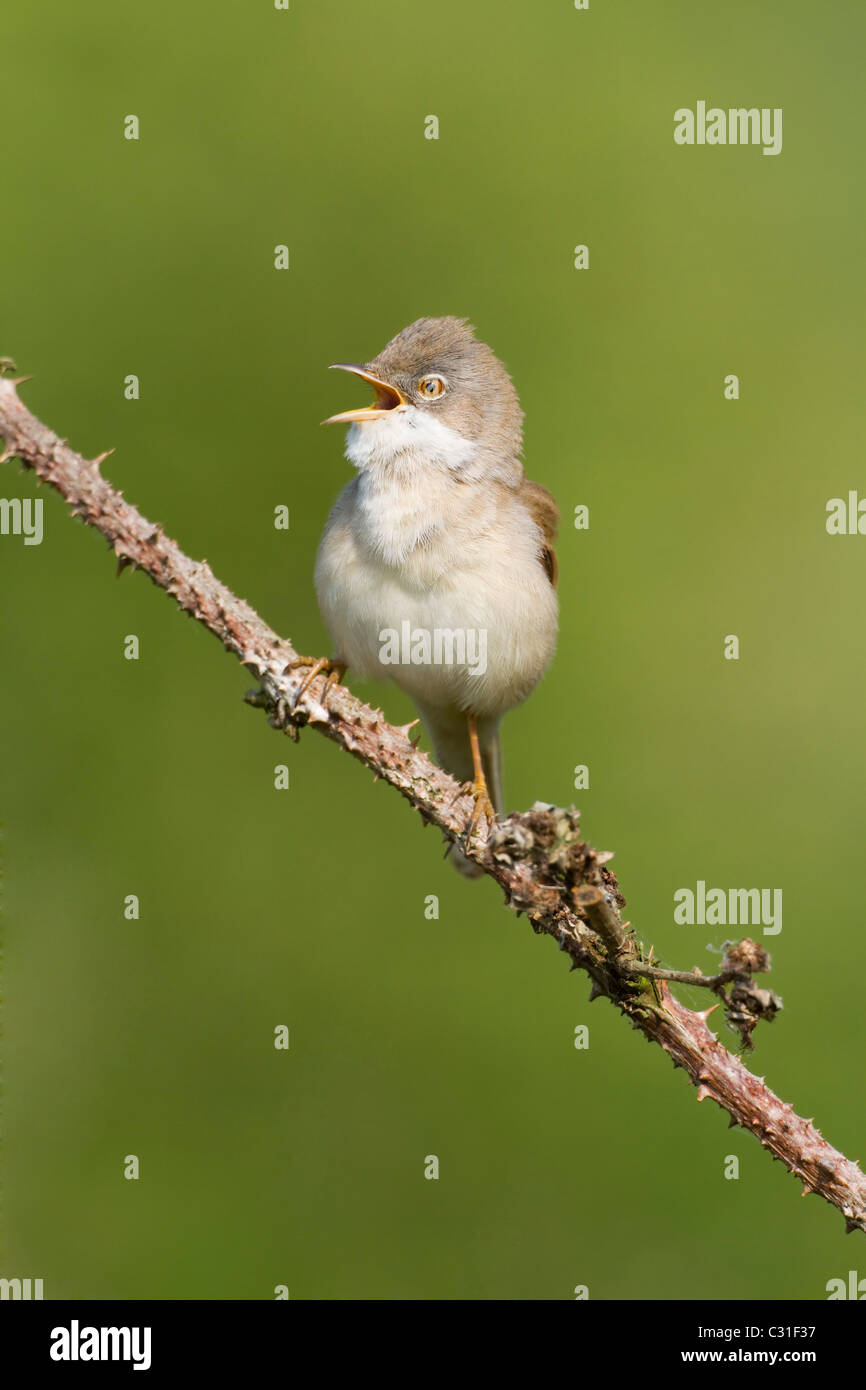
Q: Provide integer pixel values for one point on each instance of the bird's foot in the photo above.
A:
(483, 809)
(336, 671)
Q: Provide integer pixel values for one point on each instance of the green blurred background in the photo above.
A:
(306, 907)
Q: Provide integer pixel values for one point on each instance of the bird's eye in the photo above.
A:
(431, 386)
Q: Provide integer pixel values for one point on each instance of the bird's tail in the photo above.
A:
(449, 730)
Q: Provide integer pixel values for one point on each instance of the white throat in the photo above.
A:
(408, 436)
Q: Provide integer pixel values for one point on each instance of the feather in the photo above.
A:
(545, 513)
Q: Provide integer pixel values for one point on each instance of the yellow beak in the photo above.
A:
(388, 397)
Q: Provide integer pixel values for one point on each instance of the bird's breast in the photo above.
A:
(455, 612)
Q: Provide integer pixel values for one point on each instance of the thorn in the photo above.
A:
(703, 1092)
(122, 563)
(595, 992)
(806, 1190)
(19, 380)
(706, 1013)
(100, 458)
(7, 454)
(851, 1226)
(733, 1123)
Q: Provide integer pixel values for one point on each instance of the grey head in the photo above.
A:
(438, 368)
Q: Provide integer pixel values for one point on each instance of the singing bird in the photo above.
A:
(440, 532)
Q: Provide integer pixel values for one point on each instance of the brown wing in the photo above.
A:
(545, 513)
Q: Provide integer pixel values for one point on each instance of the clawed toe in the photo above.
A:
(483, 809)
(336, 671)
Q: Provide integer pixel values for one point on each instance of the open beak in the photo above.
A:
(388, 398)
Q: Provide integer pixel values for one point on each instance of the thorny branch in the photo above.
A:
(539, 859)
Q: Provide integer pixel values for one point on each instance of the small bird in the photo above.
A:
(441, 548)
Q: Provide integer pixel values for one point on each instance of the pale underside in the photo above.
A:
(416, 540)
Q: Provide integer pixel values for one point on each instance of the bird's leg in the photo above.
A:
(483, 805)
(336, 670)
